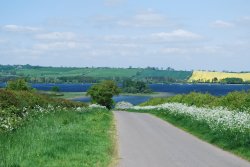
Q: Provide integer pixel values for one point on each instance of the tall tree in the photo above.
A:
(103, 92)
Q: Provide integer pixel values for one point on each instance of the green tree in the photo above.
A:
(103, 92)
(232, 80)
(215, 79)
(130, 86)
(55, 89)
(19, 84)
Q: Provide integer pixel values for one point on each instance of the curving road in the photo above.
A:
(147, 141)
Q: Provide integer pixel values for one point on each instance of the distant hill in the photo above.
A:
(38, 74)
(205, 76)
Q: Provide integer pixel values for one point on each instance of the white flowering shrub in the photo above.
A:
(96, 106)
(12, 117)
(123, 105)
(215, 117)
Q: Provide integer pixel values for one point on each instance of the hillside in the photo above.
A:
(205, 76)
(38, 74)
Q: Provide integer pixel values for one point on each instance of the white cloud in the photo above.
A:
(56, 36)
(192, 50)
(18, 28)
(222, 24)
(60, 46)
(176, 35)
(147, 18)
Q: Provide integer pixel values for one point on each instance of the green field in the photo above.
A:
(179, 75)
(90, 75)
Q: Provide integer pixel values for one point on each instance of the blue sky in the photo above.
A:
(186, 35)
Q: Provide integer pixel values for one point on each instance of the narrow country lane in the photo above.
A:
(147, 141)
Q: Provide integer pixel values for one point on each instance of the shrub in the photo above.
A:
(239, 101)
(19, 84)
(103, 92)
(130, 86)
(55, 89)
(8, 98)
(15, 106)
(29, 99)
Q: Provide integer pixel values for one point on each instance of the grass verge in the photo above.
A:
(115, 158)
(202, 131)
(62, 138)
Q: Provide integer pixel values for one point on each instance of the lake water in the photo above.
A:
(214, 89)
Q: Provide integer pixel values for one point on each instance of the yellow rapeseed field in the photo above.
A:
(205, 76)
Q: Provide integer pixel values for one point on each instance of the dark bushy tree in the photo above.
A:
(103, 92)
(19, 84)
(55, 89)
(232, 80)
(130, 86)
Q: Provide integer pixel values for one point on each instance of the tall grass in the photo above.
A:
(61, 138)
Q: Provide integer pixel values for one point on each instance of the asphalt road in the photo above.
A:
(147, 141)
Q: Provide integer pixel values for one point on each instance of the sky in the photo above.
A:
(185, 35)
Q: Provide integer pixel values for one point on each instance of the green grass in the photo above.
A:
(179, 75)
(90, 72)
(116, 72)
(63, 138)
(202, 131)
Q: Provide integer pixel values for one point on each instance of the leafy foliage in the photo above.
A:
(29, 99)
(55, 89)
(239, 101)
(103, 92)
(19, 84)
(130, 86)
(16, 105)
(232, 80)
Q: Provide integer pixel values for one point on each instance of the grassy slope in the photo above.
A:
(61, 139)
(180, 75)
(91, 72)
(116, 72)
(205, 76)
(137, 73)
